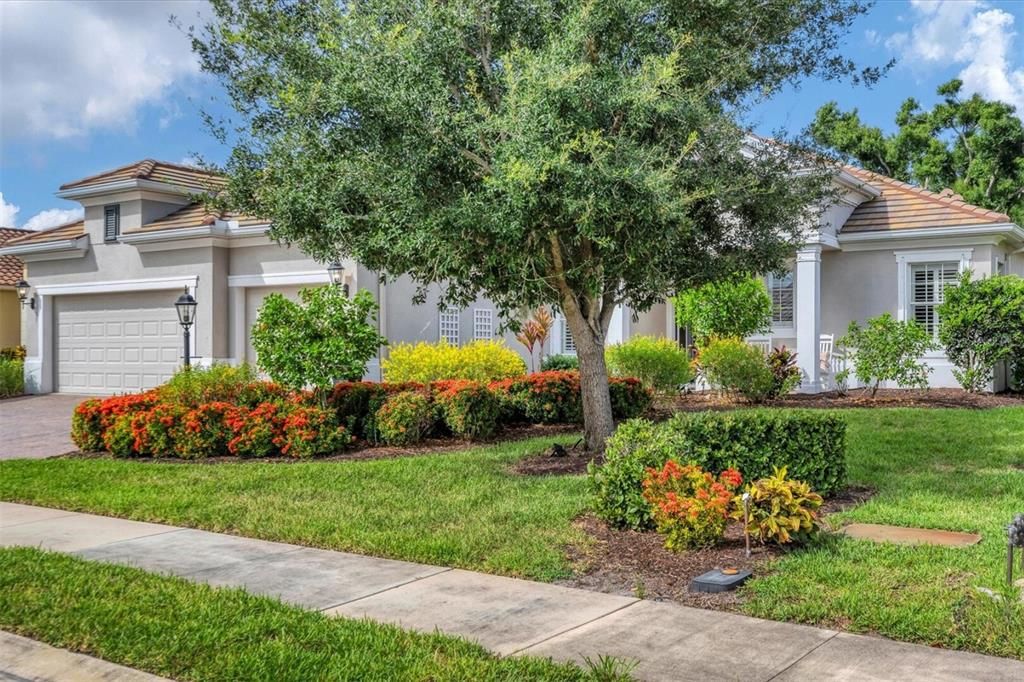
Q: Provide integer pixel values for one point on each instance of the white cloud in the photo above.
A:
(53, 217)
(969, 34)
(71, 67)
(872, 36)
(8, 213)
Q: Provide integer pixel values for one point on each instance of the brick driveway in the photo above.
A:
(37, 426)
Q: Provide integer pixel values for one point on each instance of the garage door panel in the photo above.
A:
(115, 343)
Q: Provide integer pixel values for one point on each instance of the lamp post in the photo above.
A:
(186, 307)
(336, 271)
(23, 287)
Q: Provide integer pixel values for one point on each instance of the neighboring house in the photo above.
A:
(11, 270)
(104, 287)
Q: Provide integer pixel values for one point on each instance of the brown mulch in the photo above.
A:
(885, 397)
(544, 464)
(364, 450)
(637, 564)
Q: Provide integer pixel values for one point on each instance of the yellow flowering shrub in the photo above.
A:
(483, 361)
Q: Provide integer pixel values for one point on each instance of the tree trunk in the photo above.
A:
(597, 404)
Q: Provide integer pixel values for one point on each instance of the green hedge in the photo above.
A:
(810, 444)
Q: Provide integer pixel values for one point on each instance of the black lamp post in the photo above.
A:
(336, 271)
(186, 307)
(22, 287)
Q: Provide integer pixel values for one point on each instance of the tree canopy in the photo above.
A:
(579, 154)
(973, 146)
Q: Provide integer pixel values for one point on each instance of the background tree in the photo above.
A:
(973, 146)
(580, 154)
(735, 307)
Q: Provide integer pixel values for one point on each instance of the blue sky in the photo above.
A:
(87, 86)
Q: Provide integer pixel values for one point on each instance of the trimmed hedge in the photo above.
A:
(555, 398)
(810, 444)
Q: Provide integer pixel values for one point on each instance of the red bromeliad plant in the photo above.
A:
(690, 506)
(307, 431)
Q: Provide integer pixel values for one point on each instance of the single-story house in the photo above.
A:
(11, 271)
(100, 316)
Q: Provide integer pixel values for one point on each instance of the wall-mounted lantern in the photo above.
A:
(24, 294)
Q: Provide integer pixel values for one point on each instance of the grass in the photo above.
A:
(460, 509)
(936, 468)
(187, 631)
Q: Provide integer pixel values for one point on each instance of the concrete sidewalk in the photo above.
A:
(508, 616)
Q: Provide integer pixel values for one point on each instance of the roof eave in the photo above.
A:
(1011, 230)
(67, 248)
(131, 184)
(851, 181)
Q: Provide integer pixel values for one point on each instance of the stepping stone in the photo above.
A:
(910, 536)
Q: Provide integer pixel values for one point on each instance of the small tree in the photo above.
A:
(324, 339)
(887, 350)
(734, 308)
(981, 322)
(534, 332)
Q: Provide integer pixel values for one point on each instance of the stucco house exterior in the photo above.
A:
(11, 270)
(103, 318)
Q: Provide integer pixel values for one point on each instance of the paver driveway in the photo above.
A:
(37, 426)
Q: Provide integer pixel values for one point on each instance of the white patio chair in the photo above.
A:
(762, 343)
(825, 345)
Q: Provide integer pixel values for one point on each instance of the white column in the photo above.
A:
(670, 320)
(47, 380)
(808, 316)
(239, 332)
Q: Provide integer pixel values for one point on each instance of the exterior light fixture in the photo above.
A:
(336, 271)
(23, 288)
(186, 307)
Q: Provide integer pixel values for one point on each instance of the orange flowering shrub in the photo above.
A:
(690, 506)
(469, 408)
(119, 438)
(542, 398)
(405, 418)
(307, 431)
(157, 430)
(203, 431)
(254, 432)
(86, 427)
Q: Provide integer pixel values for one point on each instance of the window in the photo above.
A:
(928, 282)
(483, 324)
(111, 223)
(568, 343)
(449, 326)
(780, 288)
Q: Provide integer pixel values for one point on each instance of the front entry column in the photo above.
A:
(808, 317)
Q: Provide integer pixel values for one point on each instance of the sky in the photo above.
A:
(86, 86)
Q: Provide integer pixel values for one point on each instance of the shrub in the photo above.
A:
(560, 363)
(119, 437)
(254, 432)
(469, 409)
(736, 367)
(543, 398)
(630, 398)
(193, 386)
(782, 510)
(319, 341)
(737, 307)
(13, 353)
(354, 403)
(405, 418)
(660, 364)
(981, 323)
(690, 507)
(785, 373)
(204, 432)
(156, 430)
(12, 378)
(87, 425)
(887, 350)
(307, 431)
(810, 444)
(477, 361)
(130, 403)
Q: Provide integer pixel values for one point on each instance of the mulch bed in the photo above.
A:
(885, 397)
(364, 451)
(637, 564)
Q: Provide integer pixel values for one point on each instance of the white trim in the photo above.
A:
(221, 228)
(269, 279)
(67, 248)
(1010, 229)
(150, 284)
(905, 258)
(134, 183)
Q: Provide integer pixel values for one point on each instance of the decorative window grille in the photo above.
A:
(781, 290)
(483, 324)
(448, 326)
(111, 223)
(928, 283)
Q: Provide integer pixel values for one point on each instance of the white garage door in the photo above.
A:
(116, 343)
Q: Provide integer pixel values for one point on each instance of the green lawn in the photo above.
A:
(186, 631)
(952, 469)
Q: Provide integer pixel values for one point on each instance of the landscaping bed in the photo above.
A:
(856, 398)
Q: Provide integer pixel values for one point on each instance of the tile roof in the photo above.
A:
(197, 215)
(52, 234)
(11, 267)
(905, 207)
(157, 171)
